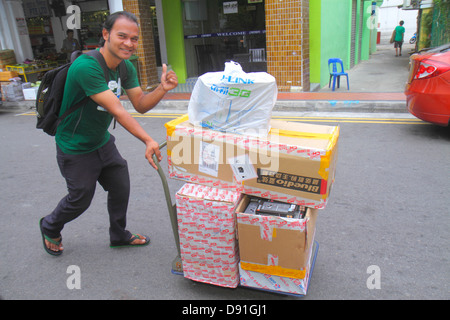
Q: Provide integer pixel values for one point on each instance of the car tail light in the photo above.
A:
(425, 70)
(430, 69)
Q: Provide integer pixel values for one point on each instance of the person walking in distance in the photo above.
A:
(86, 151)
(398, 40)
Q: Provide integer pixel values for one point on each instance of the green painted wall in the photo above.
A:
(369, 42)
(335, 28)
(365, 43)
(315, 8)
(330, 35)
(358, 30)
(173, 27)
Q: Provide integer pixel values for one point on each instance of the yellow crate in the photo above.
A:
(19, 68)
(6, 75)
(24, 69)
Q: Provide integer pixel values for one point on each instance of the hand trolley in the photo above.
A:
(177, 265)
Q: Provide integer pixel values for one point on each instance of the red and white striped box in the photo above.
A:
(207, 229)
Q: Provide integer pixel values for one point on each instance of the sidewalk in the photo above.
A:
(376, 85)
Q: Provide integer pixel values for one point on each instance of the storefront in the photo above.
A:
(216, 31)
(46, 22)
(192, 36)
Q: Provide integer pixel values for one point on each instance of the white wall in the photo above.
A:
(115, 5)
(12, 36)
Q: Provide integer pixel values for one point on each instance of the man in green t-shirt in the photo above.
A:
(86, 152)
(398, 40)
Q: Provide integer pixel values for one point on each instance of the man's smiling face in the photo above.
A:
(122, 40)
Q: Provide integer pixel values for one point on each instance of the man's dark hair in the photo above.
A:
(111, 19)
(401, 22)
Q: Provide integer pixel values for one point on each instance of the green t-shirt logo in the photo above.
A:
(116, 88)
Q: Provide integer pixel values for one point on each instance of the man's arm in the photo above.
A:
(143, 102)
(108, 100)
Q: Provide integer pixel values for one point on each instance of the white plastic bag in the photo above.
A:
(13, 91)
(234, 101)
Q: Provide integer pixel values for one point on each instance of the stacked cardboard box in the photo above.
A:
(275, 252)
(295, 164)
(7, 57)
(207, 229)
(6, 75)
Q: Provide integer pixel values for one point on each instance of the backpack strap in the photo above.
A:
(73, 108)
(97, 55)
(93, 53)
(75, 55)
(123, 71)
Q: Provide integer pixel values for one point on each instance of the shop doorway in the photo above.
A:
(216, 31)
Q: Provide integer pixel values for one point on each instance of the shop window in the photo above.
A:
(217, 31)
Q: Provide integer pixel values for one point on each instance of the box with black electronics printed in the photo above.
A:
(275, 244)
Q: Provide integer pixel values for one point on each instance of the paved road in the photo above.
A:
(388, 208)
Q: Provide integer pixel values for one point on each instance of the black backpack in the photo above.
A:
(51, 91)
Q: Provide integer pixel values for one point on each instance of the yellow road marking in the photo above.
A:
(288, 118)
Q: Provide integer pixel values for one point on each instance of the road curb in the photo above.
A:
(302, 106)
(180, 106)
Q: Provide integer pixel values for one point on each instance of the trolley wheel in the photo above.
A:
(177, 266)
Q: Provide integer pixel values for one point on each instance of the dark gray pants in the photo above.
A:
(82, 171)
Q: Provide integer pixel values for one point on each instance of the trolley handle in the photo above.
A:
(163, 176)
(155, 160)
(172, 208)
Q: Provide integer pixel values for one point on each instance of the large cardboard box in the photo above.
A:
(296, 162)
(6, 54)
(3, 85)
(275, 252)
(7, 57)
(207, 229)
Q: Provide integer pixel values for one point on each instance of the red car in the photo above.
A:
(428, 88)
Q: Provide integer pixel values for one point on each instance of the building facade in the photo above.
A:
(290, 39)
(345, 29)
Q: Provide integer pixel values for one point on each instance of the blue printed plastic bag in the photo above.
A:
(234, 101)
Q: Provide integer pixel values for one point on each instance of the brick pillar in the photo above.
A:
(287, 43)
(146, 47)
